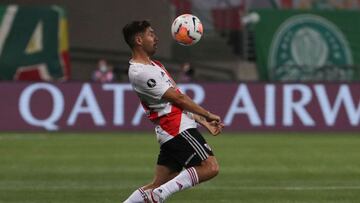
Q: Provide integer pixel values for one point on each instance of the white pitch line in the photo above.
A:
(295, 188)
(18, 185)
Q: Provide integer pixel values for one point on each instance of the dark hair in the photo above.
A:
(133, 28)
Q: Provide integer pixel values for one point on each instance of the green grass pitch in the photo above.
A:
(276, 168)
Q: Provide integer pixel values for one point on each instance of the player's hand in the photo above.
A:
(214, 127)
(213, 117)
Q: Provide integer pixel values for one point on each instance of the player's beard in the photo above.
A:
(151, 50)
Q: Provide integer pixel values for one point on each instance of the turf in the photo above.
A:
(278, 168)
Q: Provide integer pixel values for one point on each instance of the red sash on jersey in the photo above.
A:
(169, 122)
(163, 68)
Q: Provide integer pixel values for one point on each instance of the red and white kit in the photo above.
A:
(150, 82)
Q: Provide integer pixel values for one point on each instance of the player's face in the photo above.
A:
(150, 41)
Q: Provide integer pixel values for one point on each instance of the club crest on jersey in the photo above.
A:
(162, 74)
(151, 83)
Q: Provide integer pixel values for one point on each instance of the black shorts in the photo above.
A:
(185, 150)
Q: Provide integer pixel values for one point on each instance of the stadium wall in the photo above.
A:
(243, 106)
(99, 25)
(95, 29)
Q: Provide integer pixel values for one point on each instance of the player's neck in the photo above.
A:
(140, 57)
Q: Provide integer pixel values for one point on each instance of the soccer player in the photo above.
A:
(175, 116)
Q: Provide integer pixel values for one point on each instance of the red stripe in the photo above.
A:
(142, 191)
(195, 176)
(192, 180)
(190, 171)
(171, 121)
(152, 198)
(143, 195)
(164, 69)
(150, 114)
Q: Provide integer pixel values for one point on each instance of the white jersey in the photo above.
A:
(150, 82)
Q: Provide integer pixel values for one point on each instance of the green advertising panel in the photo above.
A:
(33, 43)
(308, 46)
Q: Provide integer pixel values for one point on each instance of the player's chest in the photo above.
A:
(165, 76)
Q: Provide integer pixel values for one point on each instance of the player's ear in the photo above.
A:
(138, 39)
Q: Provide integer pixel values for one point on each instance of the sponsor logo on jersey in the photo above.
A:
(151, 83)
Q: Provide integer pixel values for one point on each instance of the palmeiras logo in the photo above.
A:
(309, 47)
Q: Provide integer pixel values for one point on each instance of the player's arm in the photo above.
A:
(184, 102)
(213, 127)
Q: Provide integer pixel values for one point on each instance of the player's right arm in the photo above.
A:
(153, 84)
(213, 127)
(184, 102)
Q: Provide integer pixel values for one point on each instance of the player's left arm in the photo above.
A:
(213, 127)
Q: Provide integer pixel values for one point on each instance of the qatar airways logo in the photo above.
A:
(281, 106)
(87, 104)
(243, 103)
(86, 96)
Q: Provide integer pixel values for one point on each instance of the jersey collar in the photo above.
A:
(131, 61)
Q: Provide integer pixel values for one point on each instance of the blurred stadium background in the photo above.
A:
(283, 74)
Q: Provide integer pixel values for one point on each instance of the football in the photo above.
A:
(187, 29)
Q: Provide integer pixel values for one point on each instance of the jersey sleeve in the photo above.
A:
(152, 84)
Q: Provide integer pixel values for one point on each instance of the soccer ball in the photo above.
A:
(187, 29)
